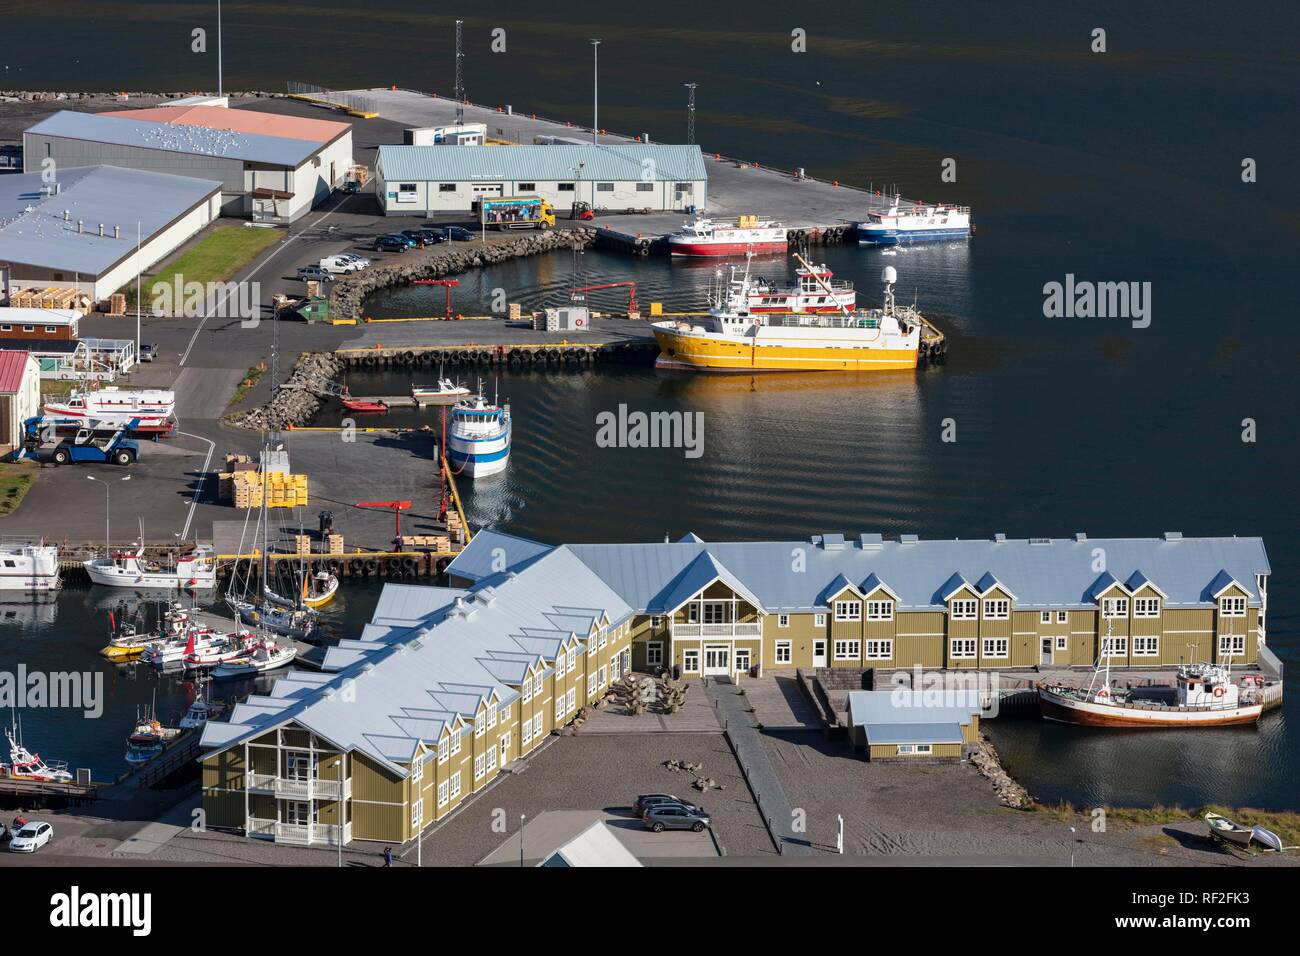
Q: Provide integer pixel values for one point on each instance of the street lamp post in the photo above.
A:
(108, 548)
(595, 90)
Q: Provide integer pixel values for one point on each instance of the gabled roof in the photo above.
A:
(1103, 583)
(954, 584)
(695, 577)
(1222, 582)
(873, 583)
(1137, 581)
(988, 581)
(595, 846)
(491, 552)
(13, 368)
(838, 585)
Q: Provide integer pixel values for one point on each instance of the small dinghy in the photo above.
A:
(1221, 828)
(1267, 838)
(363, 405)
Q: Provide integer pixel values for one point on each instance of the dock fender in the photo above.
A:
(370, 567)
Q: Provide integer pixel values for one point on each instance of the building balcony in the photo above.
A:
(738, 629)
(299, 834)
(310, 788)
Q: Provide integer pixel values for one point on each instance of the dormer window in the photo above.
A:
(1232, 607)
(848, 610)
(997, 609)
(880, 610)
(1146, 607)
(1114, 607)
(965, 610)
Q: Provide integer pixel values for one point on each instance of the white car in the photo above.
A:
(31, 837)
(361, 261)
(339, 265)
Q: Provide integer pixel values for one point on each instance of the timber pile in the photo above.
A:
(348, 295)
(298, 399)
(986, 761)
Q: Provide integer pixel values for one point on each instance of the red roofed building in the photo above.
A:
(20, 395)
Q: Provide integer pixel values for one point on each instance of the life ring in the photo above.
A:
(1218, 692)
(1103, 693)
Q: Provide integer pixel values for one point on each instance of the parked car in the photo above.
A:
(362, 261)
(389, 244)
(148, 351)
(425, 237)
(339, 264)
(459, 233)
(648, 800)
(31, 837)
(315, 272)
(675, 816)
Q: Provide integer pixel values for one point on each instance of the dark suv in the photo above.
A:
(391, 244)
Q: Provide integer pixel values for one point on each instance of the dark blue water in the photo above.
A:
(1116, 166)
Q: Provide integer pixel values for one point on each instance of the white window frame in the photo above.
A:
(503, 745)
(1062, 643)
(491, 716)
(526, 691)
(1232, 606)
(480, 724)
(848, 610)
(603, 676)
(880, 610)
(455, 740)
(539, 726)
(784, 652)
(654, 654)
(997, 609)
(1062, 617)
(572, 661)
(559, 708)
(689, 654)
(1146, 607)
(591, 685)
(852, 649)
(455, 785)
(443, 793)
(1044, 617)
(1115, 645)
(883, 649)
(969, 646)
(964, 609)
(1146, 645)
(571, 700)
(538, 685)
(444, 749)
(479, 768)
(1116, 607)
(417, 769)
(526, 733)
(819, 619)
(417, 812)
(1232, 645)
(491, 754)
(1001, 648)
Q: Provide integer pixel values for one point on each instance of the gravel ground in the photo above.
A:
(602, 772)
(949, 810)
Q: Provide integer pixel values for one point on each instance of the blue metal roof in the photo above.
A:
(936, 733)
(636, 162)
(178, 138)
(897, 714)
(33, 231)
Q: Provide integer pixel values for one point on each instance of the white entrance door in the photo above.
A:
(716, 660)
(819, 652)
(1045, 652)
(742, 660)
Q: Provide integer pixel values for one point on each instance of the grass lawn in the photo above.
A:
(15, 481)
(1284, 824)
(216, 257)
(56, 388)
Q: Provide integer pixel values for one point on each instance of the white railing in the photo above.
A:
(311, 788)
(299, 834)
(743, 629)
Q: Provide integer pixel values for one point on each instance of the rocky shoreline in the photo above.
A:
(348, 295)
(984, 757)
(298, 399)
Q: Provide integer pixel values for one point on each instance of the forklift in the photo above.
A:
(93, 442)
(581, 210)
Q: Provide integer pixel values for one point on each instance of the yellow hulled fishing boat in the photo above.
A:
(733, 338)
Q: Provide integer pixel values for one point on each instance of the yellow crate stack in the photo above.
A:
(282, 490)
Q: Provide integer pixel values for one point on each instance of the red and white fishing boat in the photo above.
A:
(812, 291)
(154, 407)
(1203, 696)
(25, 765)
(227, 648)
(731, 237)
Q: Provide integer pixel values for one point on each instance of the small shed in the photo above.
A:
(20, 395)
(903, 724)
(594, 846)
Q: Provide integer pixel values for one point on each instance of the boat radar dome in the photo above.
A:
(889, 275)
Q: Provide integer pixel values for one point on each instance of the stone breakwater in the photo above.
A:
(297, 400)
(348, 295)
(985, 759)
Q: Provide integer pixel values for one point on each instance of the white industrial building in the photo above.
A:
(420, 180)
(80, 231)
(271, 168)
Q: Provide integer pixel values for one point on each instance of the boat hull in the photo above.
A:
(716, 353)
(874, 236)
(478, 456)
(110, 577)
(1085, 713)
(698, 249)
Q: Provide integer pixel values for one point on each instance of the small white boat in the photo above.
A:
(478, 438)
(258, 658)
(28, 567)
(154, 407)
(1267, 838)
(228, 648)
(194, 571)
(25, 765)
(1224, 829)
(445, 392)
(199, 711)
(172, 651)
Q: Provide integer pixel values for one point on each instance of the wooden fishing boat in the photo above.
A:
(1221, 828)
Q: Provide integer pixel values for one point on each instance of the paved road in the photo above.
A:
(757, 764)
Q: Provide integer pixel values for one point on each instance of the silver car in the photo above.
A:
(675, 816)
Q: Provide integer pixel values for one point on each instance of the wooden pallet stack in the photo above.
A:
(335, 544)
(55, 297)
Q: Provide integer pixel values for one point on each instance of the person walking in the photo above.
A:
(388, 856)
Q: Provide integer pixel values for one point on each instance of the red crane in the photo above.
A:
(632, 311)
(447, 284)
(397, 508)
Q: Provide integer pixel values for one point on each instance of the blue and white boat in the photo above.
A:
(478, 438)
(916, 223)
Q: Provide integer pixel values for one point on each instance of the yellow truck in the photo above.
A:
(516, 212)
